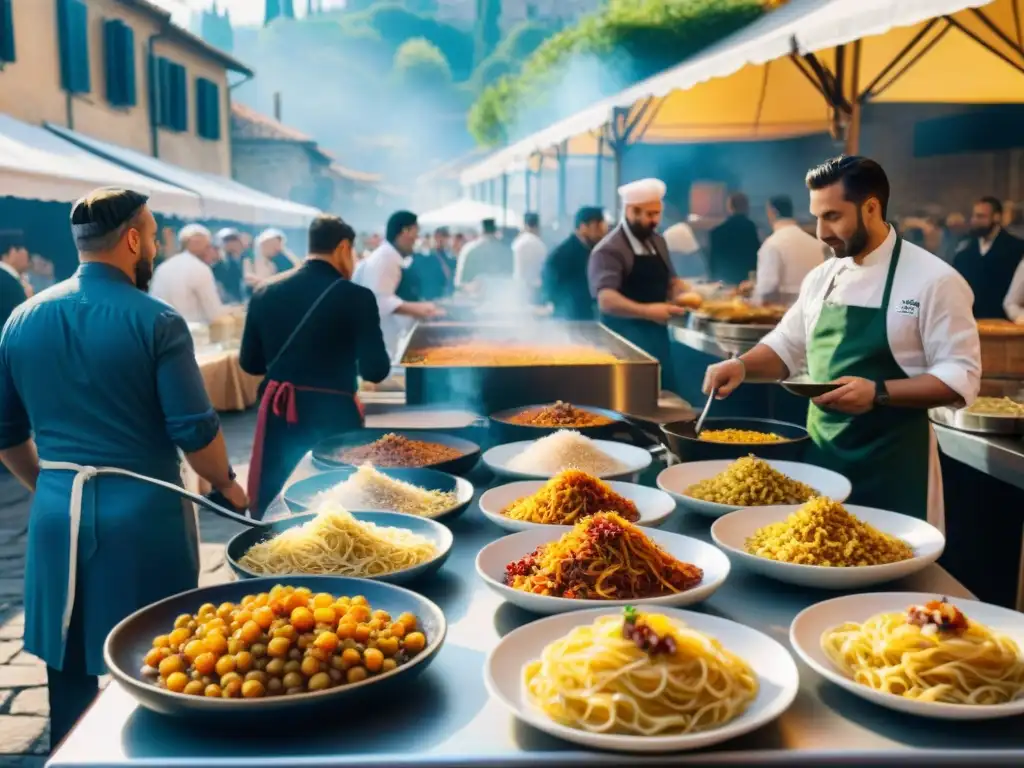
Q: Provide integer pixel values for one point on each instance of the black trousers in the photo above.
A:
(71, 690)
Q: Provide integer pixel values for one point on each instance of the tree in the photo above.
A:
(487, 28)
(421, 66)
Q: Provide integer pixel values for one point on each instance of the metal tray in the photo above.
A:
(963, 420)
(747, 332)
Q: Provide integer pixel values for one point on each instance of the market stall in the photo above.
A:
(217, 344)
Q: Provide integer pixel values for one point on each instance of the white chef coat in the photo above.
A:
(528, 255)
(1013, 304)
(381, 272)
(186, 282)
(930, 324)
(785, 258)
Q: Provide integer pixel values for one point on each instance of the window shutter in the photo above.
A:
(179, 98)
(207, 109)
(7, 53)
(73, 35)
(119, 56)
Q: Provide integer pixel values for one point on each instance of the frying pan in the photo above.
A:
(808, 388)
(507, 431)
(327, 452)
(128, 642)
(683, 442)
(299, 496)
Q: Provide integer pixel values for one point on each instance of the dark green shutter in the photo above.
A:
(119, 56)
(7, 52)
(179, 97)
(73, 34)
(207, 109)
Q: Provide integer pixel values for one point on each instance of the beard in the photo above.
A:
(642, 231)
(854, 246)
(983, 233)
(143, 274)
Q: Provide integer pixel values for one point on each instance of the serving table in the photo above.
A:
(228, 386)
(448, 719)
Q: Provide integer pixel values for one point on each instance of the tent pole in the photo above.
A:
(563, 162)
(527, 196)
(856, 104)
(599, 180)
(540, 183)
(617, 150)
(504, 199)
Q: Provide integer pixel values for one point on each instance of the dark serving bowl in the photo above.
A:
(299, 496)
(681, 440)
(442, 538)
(128, 642)
(507, 431)
(327, 453)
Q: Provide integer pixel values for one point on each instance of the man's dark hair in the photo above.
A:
(489, 226)
(531, 220)
(782, 205)
(588, 214)
(994, 203)
(441, 232)
(739, 203)
(100, 219)
(327, 232)
(398, 223)
(9, 240)
(862, 178)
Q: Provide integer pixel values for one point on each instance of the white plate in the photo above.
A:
(809, 625)
(675, 480)
(731, 533)
(493, 558)
(636, 460)
(774, 666)
(654, 506)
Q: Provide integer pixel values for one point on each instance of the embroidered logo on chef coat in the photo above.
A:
(909, 307)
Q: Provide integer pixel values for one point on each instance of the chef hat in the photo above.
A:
(269, 234)
(192, 230)
(642, 191)
(228, 233)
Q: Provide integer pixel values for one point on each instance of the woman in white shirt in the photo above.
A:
(888, 321)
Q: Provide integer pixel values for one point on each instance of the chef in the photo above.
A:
(632, 278)
(889, 322)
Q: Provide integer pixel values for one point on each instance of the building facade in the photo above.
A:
(122, 72)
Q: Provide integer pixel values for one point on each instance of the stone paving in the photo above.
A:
(24, 710)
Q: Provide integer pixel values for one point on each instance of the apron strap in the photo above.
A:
(301, 324)
(890, 278)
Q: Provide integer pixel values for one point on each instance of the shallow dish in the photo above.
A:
(300, 496)
(429, 529)
(327, 453)
(809, 625)
(802, 388)
(772, 663)
(654, 506)
(128, 642)
(492, 559)
(681, 439)
(507, 429)
(635, 459)
(731, 533)
(676, 479)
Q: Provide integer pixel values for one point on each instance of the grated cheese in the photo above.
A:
(565, 449)
(369, 489)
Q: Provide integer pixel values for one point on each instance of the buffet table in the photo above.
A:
(448, 718)
(229, 387)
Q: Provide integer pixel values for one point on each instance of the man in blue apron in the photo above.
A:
(632, 277)
(97, 377)
(888, 321)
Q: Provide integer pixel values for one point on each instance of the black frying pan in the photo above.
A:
(327, 453)
(682, 440)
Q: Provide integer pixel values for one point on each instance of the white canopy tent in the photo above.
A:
(221, 198)
(35, 164)
(467, 214)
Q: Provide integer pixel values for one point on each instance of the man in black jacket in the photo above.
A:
(734, 244)
(564, 275)
(14, 263)
(988, 259)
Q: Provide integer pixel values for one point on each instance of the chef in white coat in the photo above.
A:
(891, 323)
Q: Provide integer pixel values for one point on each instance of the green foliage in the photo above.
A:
(625, 42)
(421, 66)
(487, 28)
(492, 69)
(522, 40)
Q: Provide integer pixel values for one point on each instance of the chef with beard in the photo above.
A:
(631, 276)
(887, 321)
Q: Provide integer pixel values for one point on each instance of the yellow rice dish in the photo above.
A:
(751, 482)
(740, 436)
(823, 533)
(997, 406)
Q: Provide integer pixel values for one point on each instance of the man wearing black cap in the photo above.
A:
(98, 378)
(564, 277)
(487, 256)
(14, 263)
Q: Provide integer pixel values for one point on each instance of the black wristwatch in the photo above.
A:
(881, 393)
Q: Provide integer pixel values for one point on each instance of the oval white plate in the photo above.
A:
(493, 558)
(675, 480)
(731, 533)
(654, 506)
(774, 666)
(809, 625)
(635, 459)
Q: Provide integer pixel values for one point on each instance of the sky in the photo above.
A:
(242, 11)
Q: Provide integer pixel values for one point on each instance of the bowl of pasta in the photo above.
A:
(919, 653)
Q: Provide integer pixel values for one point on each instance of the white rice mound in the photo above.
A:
(370, 489)
(565, 449)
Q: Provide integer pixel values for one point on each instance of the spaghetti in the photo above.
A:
(336, 543)
(929, 653)
(642, 675)
(602, 558)
(569, 497)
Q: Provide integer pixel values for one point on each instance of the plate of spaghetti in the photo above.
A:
(602, 559)
(921, 653)
(569, 497)
(636, 681)
(384, 546)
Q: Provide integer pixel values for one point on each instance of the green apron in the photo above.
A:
(884, 452)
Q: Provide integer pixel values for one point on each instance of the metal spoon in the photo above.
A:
(704, 412)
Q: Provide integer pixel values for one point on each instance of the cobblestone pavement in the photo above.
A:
(24, 710)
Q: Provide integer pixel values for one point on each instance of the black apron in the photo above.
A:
(647, 283)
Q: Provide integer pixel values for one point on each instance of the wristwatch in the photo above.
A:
(881, 393)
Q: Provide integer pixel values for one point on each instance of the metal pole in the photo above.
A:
(600, 172)
(504, 199)
(527, 174)
(563, 162)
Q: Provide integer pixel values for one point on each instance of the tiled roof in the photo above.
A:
(351, 175)
(247, 123)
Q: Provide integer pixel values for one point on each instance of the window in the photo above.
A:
(73, 34)
(6, 32)
(119, 59)
(169, 94)
(207, 109)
